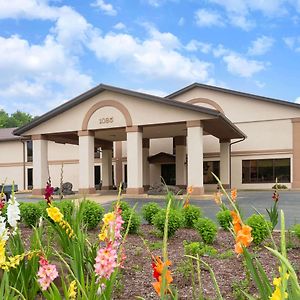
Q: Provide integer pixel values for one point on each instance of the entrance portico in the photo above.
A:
(110, 115)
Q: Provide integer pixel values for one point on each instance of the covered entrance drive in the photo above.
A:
(105, 116)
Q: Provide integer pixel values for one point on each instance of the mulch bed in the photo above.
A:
(230, 272)
(136, 278)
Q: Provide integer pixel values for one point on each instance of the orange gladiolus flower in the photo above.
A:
(158, 267)
(234, 194)
(243, 233)
(190, 190)
(218, 198)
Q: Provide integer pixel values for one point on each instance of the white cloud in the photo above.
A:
(106, 8)
(241, 22)
(297, 100)
(120, 26)
(181, 21)
(157, 57)
(293, 42)
(195, 45)
(241, 66)
(208, 18)
(261, 45)
(154, 92)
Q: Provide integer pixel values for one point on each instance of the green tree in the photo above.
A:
(18, 119)
(4, 117)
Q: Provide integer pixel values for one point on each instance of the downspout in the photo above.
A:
(238, 141)
(24, 165)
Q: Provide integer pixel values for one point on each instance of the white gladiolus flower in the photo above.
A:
(3, 229)
(13, 212)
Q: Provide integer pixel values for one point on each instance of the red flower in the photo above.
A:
(275, 196)
(49, 190)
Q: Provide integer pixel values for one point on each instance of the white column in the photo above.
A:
(134, 160)
(146, 165)
(106, 169)
(86, 162)
(180, 149)
(40, 164)
(195, 156)
(225, 162)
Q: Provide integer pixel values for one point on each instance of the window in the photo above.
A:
(210, 167)
(97, 153)
(29, 151)
(266, 170)
(29, 178)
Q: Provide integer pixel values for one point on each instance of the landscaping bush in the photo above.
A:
(43, 205)
(176, 220)
(207, 229)
(30, 213)
(224, 219)
(135, 220)
(123, 205)
(149, 210)
(201, 249)
(190, 214)
(296, 230)
(92, 213)
(260, 230)
(279, 186)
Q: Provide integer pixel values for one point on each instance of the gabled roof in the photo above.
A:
(161, 157)
(102, 87)
(6, 134)
(232, 92)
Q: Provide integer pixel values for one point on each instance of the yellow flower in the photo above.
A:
(72, 290)
(2, 252)
(55, 214)
(103, 235)
(108, 218)
(276, 281)
(218, 198)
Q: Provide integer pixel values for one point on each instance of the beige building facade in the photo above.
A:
(110, 135)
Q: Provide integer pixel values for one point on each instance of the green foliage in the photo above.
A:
(92, 213)
(190, 214)
(149, 210)
(207, 229)
(155, 245)
(199, 248)
(135, 221)
(273, 215)
(176, 221)
(238, 289)
(260, 228)
(122, 204)
(16, 119)
(224, 219)
(296, 230)
(30, 213)
(279, 186)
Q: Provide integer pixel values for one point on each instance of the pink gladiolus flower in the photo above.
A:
(106, 261)
(47, 273)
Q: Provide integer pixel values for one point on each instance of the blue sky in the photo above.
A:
(51, 51)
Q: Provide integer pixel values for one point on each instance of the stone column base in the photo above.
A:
(198, 190)
(87, 191)
(38, 192)
(106, 188)
(134, 191)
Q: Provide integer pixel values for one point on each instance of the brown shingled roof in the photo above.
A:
(6, 134)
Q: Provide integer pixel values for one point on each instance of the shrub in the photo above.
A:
(224, 219)
(176, 221)
(190, 214)
(123, 205)
(30, 213)
(207, 229)
(279, 186)
(260, 228)
(201, 249)
(92, 213)
(135, 220)
(296, 230)
(43, 205)
(149, 210)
